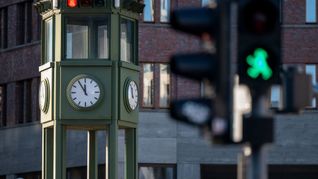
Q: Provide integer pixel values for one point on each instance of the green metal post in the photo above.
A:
(47, 153)
(91, 155)
(59, 167)
(131, 162)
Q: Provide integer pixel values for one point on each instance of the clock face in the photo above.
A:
(43, 95)
(84, 92)
(132, 95)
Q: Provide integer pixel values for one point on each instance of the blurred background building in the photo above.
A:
(167, 150)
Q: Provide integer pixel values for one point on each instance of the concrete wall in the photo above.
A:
(163, 141)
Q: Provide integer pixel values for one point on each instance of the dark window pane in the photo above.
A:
(3, 120)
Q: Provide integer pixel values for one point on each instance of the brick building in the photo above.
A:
(167, 150)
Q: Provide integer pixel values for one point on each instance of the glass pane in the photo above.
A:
(49, 41)
(126, 40)
(77, 39)
(102, 45)
(148, 85)
(164, 85)
(164, 10)
(311, 11)
(311, 70)
(148, 10)
(205, 2)
(276, 96)
(157, 172)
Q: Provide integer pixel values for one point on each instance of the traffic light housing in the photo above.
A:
(212, 66)
(259, 43)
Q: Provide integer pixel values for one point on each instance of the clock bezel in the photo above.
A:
(45, 106)
(126, 98)
(69, 87)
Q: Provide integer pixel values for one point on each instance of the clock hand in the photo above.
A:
(84, 89)
(85, 92)
(132, 92)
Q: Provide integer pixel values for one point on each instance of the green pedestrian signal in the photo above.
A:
(259, 65)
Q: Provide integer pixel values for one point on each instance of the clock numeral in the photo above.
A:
(96, 98)
(79, 103)
(73, 92)
(74, 99)
(91, 81)
(85, 104)
(91, 102)
(97, 92)
(74, 86)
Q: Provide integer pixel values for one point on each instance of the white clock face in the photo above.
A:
(42, 95)
(85, 92)
(132, 95)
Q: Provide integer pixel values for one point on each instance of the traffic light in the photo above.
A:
(71, 3)
(259, 43)
(208, 113)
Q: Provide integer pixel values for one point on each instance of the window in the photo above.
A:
(4, 28)
(276, 101)
(127, 40)
(311, 11)
(3, 120)
(24, 23)
(205, 2)
(77, 39)
(164, 86)
(87, 38)
(48, 26)
(164, 10)
(23, 101)
(157, 172)
(148, 84)
(311, 69)
(149, 11)
(156, 85)
(31, 175)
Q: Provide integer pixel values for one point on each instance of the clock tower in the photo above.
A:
(89, 81)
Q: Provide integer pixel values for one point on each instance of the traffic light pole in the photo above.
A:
(253, 164)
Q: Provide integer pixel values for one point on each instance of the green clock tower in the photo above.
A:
(89, 80)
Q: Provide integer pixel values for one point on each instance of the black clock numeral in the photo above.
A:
(74, 86)
(73, 92)
(95, 86)
(84, 80)
(79, 103)
(91, 102)
(91, 82)
(85, 104)
(96, 91)
(74, 99)
(96, 98)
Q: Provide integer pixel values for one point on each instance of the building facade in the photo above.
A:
(167, 149)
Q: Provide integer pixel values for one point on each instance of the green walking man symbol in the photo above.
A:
(258, 65)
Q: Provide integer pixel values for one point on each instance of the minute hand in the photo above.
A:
(84, 89)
